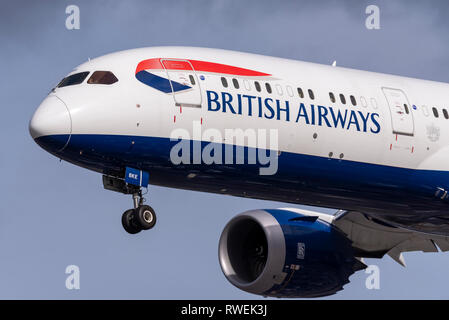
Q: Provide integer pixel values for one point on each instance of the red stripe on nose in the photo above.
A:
(202, 66)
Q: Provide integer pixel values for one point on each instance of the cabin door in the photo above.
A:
(400, 110)
(184, 82)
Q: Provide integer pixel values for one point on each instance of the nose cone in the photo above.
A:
(51, 124)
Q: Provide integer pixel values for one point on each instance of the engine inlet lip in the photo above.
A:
(272, 272)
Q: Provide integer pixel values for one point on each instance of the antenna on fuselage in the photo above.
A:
(334, 64)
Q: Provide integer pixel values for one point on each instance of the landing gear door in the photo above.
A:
(400, 110)
(184, 82)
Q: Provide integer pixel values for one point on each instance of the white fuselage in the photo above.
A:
(391, 130)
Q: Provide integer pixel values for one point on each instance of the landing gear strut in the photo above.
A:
(142, 217)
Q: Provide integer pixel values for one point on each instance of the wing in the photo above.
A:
(373, 238)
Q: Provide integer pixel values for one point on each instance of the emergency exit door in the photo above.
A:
(400, 110)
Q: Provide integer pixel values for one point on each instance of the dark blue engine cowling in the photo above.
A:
(282, 253)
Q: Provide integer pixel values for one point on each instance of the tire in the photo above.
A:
(145, 217)
(129, 222)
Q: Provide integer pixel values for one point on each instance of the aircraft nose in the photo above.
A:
(51, 124)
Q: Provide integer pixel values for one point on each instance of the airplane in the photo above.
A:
(374, 147)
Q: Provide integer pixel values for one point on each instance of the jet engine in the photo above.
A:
(281, 253)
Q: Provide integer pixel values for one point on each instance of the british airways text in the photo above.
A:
(242, 104)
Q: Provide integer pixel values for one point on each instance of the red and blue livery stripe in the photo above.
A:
(144, 74)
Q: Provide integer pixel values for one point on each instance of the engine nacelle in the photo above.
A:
(281, 253)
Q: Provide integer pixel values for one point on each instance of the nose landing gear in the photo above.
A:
(142, 217)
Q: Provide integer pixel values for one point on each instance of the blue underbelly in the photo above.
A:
(300, 178)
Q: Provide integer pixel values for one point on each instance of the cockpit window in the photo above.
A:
(73, 79)
(102, 77)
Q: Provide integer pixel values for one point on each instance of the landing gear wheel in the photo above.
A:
(142, 217)
(145, 217)
(129, 222)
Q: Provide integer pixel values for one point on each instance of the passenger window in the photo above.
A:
(446, 115)
(235, 83)
(374, 103)
(332, 97)
(300, 93)
(192, 79)
(268, 87)
(363, 102)
(224, 82)
(290, 91)
(73, 79)
(425, 111)
(279, 90)
(406, 109)
(257, 85)
(311, 95)
(354, 103)
(342, 98)
(247, 85)
(102, 77)
(435, 112)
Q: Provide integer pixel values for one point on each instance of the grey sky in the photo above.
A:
(54, 214)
